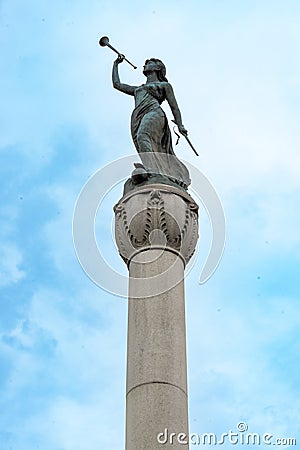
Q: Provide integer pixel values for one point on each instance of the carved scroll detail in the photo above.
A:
(156, 211)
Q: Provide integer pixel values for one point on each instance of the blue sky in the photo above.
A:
(234, 67)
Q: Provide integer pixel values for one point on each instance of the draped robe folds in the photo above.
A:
(152, 136)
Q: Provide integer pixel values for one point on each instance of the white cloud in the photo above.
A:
(11, 260)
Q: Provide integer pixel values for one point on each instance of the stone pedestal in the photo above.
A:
(156, 233)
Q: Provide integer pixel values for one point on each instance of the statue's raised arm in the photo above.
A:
(126, 88)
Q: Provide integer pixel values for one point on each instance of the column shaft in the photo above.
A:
(156, 355)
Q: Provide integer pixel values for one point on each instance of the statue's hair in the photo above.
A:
(161, 72)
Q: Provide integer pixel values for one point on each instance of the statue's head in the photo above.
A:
(154, 64)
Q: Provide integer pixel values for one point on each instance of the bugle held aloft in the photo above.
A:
(104, 42)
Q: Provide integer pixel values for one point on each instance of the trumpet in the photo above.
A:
(104, 42)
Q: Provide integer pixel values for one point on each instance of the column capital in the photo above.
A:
(156, 216)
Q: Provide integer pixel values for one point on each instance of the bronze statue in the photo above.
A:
(149, 126)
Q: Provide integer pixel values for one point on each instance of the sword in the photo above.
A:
(191, 145)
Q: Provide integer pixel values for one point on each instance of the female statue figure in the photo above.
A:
(149, 126)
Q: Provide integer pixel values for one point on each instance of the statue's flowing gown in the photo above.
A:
(152, 137)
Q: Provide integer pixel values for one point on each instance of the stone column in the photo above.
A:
(156, 233)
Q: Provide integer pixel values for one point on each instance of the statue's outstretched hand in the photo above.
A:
(120, 59)
(182, 130)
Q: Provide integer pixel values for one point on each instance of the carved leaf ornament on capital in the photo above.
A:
(158, 219)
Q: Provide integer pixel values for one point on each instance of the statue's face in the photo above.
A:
(150, 66)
